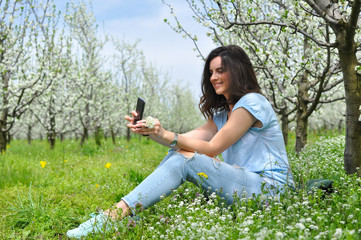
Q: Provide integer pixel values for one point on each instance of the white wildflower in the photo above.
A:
(280, 234)
(300, 226)
(338, 233)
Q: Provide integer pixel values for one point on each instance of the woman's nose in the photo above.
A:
(213, 76)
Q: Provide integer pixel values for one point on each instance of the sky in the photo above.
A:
(143, 20)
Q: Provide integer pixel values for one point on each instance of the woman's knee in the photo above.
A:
(176, 160)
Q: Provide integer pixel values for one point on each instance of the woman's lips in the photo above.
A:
(217, 85)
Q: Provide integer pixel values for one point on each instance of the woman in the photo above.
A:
(241, 125)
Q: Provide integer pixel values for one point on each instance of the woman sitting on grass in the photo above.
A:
(241, 125)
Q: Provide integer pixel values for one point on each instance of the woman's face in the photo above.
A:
(219, 77)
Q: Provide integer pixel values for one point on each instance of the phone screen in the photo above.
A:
(139, 110)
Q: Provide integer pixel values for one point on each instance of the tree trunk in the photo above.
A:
(29, 134)
(86, 125)
(113, 136)
(51, 139)
(340, 126)
(105, 135)
(128, 134)
(97, 136)
(301, 133)
(352, 81)
(52, 132)
(302, 108)
(2, 141)
(284, 125)
(9, 138)
(76, 136)
(5, 110)
(84, 136)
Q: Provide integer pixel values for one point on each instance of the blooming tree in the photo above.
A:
(54, 110)
(126, 62)
(60, 82)
(182, 114)
(90, 76)
(324, 35)
(293, 85)
(23, 59)
(343, 18)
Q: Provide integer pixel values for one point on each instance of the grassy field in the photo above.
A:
(44, 193)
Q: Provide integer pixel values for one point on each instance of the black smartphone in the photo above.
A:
(139, 110)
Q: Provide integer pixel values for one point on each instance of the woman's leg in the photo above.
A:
(219, 177)
(102, 221)
(162, 181)
(121, 208)
(169, 175)
(222, 178)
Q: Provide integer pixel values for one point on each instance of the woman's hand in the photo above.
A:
(141, 126)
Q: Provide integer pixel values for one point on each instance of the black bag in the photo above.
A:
(323, 184)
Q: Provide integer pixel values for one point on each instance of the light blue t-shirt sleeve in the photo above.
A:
(258, 106)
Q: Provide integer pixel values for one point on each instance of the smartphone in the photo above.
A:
(139, 110)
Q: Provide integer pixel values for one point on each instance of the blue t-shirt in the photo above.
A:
(259, 150)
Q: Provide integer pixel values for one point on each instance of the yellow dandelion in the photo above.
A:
(202, 174)
(42, 163)
(96, 185)
(65, 160)
(108, 165)
(7, 146)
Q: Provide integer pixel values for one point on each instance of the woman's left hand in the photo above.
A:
(153, 127)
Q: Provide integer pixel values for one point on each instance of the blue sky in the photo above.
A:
(143, 19)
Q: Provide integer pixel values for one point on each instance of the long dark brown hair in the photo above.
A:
(242, 80)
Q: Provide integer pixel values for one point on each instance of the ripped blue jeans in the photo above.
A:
(222, 178)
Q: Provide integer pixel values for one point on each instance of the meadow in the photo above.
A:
(44, 193)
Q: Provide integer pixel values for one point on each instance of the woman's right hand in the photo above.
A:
(131, 119)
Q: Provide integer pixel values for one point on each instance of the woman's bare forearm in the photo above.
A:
(160, 140)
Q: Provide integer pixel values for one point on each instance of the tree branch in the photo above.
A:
(352, 24)
(324, 8)
(332, 100)
(294, 27)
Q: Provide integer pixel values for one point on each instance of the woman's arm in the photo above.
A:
(204, 132)
(237, 125)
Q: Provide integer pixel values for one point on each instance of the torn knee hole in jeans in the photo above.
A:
(186, 154)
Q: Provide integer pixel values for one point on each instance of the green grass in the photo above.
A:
(43, 203)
